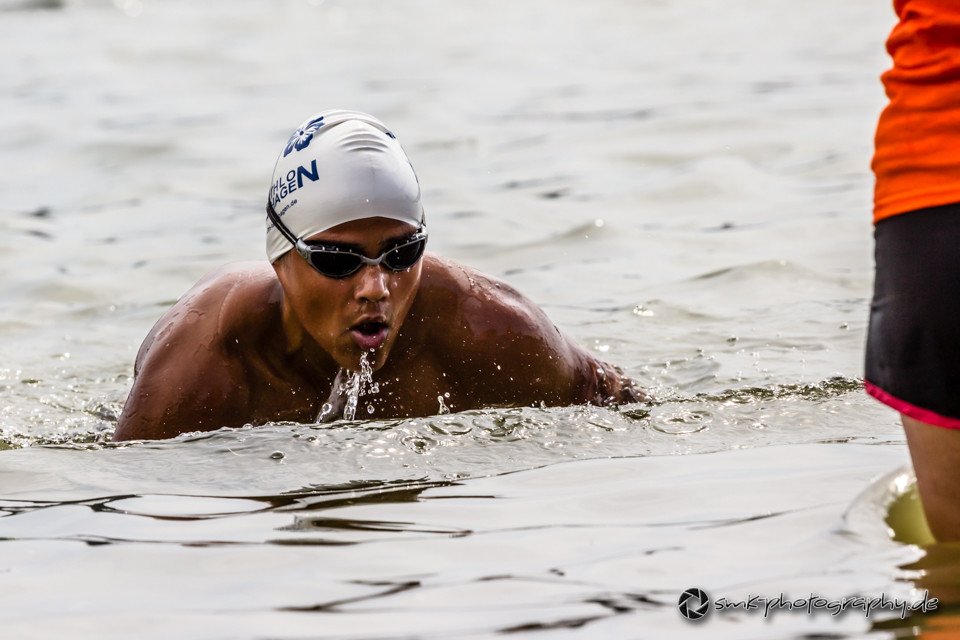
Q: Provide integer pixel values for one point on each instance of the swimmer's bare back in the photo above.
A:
(224, 356)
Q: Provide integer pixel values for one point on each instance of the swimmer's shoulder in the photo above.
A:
(459, 291)
(231, 304)
(444, 279)
(475, 314)
(483, 325)
(193, 370)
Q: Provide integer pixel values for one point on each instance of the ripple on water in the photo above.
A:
(281, 457)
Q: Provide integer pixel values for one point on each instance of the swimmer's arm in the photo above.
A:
(936, 457)
(183, 380)
(604, 384)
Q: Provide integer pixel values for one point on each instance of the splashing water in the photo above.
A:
(357, 384)
(325, 411)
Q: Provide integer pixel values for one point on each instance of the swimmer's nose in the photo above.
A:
(372, 284)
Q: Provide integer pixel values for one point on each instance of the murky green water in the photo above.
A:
(683, 185)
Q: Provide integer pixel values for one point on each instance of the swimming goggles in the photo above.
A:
(335, 262)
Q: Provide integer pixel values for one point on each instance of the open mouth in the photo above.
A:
(370, 334)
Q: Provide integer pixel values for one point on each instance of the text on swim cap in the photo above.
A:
(292, 181)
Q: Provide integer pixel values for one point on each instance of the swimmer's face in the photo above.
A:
(364, 311)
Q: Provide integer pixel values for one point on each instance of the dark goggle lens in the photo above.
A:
(340, 264)
(335, 264)
(405, 256)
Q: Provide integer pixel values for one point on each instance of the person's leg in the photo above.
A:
(935, 452)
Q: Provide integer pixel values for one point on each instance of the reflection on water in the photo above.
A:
(463, 555)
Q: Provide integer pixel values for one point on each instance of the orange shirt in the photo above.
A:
(917, 155)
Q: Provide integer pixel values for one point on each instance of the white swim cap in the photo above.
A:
(337, 167)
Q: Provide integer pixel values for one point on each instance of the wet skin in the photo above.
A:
(253, 343)
(935, 452)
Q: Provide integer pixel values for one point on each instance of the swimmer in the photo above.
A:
(349, 286)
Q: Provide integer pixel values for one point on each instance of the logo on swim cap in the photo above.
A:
(293, 180)
(301, 137)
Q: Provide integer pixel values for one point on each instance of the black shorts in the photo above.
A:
(913, 343)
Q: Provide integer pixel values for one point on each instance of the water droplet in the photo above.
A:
(359, 383)
(446, 395)
(277, 455)
(370, 409)
(324, 411)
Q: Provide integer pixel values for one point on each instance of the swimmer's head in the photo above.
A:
(337, 167)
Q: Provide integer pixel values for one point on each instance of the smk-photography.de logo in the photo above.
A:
(694, 603)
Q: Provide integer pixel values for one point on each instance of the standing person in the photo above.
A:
(913, 344)
(350, 309)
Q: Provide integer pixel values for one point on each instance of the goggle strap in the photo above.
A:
(282, 228)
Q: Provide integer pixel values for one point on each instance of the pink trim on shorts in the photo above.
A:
(913, 411)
